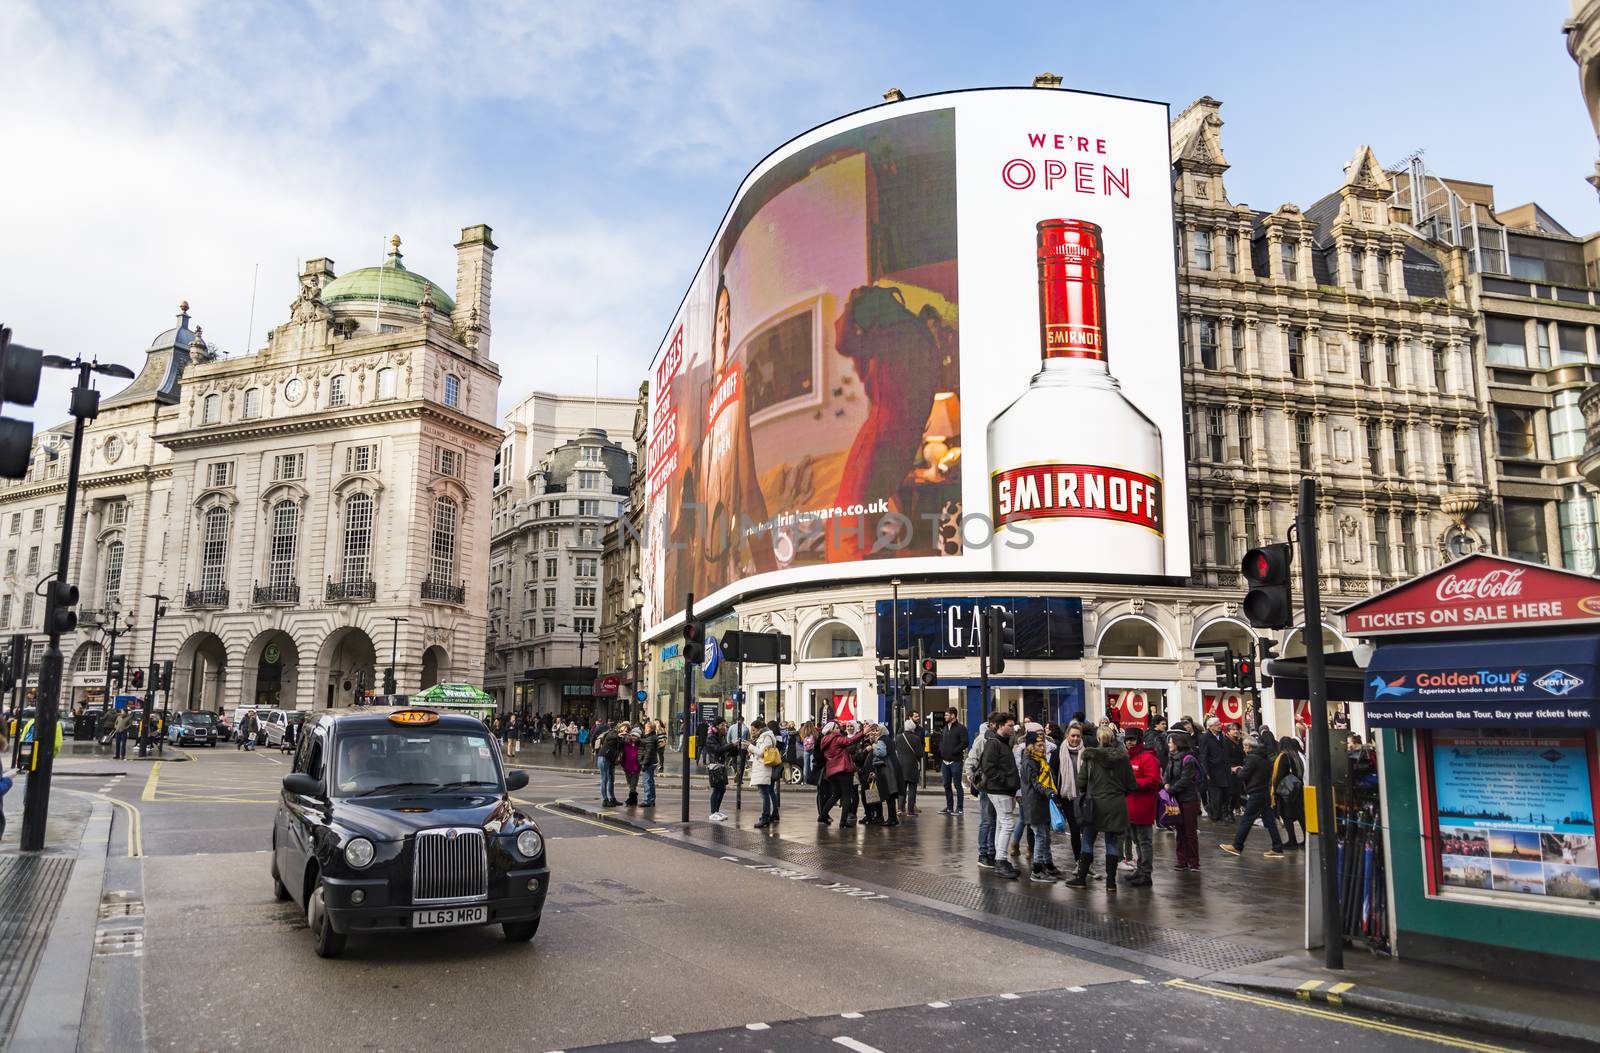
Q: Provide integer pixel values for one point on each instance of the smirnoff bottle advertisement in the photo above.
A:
(936, 336)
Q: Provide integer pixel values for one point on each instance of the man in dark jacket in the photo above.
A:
(1106, 777)
(1213, 755)
(1155, 740)
(998, 766)
(952, 751)
(607, 751)
(649, 757)
(1255, 777)
(909, 751)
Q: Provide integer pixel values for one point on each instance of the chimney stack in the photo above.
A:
(894, 95)
(1047, 80)
(474, 271)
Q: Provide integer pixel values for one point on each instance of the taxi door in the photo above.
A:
(298, 815)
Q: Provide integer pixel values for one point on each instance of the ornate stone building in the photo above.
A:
(622, 656)
(308, 509)
(559, 481)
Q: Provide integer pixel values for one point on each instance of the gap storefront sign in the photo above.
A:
(951, 627)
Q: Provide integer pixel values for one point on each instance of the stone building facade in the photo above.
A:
(622, 656)
(560, 480)
(307, 510)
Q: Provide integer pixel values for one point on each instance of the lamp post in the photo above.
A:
(389, 686)
(581, 637)
(150, 675)
(113, 634)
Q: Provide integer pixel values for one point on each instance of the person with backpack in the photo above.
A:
(1255, 776)
(607, 748)
(1185, 780)
(909, 752)
(717, 767)
(999, 781)
(973, 781)
(1288, 790)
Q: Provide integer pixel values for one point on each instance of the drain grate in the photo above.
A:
(33, 888)
(1172, 944)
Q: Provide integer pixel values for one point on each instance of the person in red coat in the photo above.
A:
(1142, 804)
(839, 775)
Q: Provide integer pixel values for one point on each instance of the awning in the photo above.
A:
(1519, 681)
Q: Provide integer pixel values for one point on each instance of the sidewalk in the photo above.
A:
(1238, 922)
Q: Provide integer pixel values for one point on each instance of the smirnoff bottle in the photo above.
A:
(1076, 468)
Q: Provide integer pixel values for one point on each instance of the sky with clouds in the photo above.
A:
(161, 150)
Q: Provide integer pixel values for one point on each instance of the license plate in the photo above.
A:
(432, 919)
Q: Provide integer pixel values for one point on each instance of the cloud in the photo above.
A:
(168, 148)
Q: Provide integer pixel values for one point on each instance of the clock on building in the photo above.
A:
(294, 389)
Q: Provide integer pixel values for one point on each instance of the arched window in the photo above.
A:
(211, 409)
(357, 538)
(214, 550)
(1132, 638)
(442, 568)
(386, 383)
(452, 390)
(90, 659)
(113, 579)
(336, 391)
(285, 542)
(835, 640)
(252, 402)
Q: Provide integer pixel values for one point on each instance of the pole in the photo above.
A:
(637, 703)
(983, 666)
(150, 679)
(1317, 688)
(688, 708)
(738, 711)
(777, 777)
(36, 805)
(894, 654)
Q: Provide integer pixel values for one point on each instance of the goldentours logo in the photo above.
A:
(1558, 682)
(1395, 688)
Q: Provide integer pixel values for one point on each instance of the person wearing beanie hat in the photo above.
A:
(909, 751)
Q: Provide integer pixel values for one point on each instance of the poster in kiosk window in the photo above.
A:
(940, 333)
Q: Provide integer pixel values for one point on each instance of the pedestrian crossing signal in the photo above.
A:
(138, 678)
(927, 672)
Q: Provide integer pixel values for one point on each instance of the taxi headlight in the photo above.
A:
(358, 852)
(529, 843)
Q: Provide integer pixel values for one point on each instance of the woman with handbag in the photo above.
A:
(885, 774)
(1105, 778)
(762, 772)
(1038, 787)
(1288, 790)
(1064, 769)
(717, 768)
(1185, 778)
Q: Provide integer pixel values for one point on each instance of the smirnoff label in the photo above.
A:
(1076, 491)
(1071, 289)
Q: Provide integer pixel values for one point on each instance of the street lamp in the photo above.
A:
(389, 687)
(150, 675)
(61, 596)
(113, 633)
(581, 636)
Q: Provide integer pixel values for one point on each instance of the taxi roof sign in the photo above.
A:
(413, 716)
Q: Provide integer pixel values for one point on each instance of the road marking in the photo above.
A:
(611, 828)
(860, 1047)
(851, 1016)
(150, 783)
(135, 826)
(1336, 992)
(1077, 990)
(1372, 1025)
(1138, 981)
(662, 1039)
(758, 1027)
(938, 1005)
(1303, 992)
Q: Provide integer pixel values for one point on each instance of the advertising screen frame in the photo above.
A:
(663, 612)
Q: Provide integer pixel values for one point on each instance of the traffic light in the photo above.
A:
(138, 679)
(1244, 671)
(59, 599)
(166, 677)
(694, 641)
(927, 672)
(19, 383)
(1267, 651)
(117, 671)
(1269, 604)
(883, 680)
(388, 680)
(1227, 675)
(1001, 637)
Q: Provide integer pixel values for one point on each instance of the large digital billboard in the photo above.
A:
(941, 335)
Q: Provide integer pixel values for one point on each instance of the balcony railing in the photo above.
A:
(351, 591)
(202, 599)
(276, 595)
(444, 592)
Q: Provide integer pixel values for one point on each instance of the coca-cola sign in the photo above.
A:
(1479, 592)
(1456, 588)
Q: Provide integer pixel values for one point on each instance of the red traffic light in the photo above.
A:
(1268, 565)
(928, 665)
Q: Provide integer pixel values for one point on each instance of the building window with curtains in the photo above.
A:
(385, 384)
(1447, 446)
(1221, 549)
(442, 563)
(1441, 372)
(285, 544)
(112, 593)
(357, 566)
(214, 550)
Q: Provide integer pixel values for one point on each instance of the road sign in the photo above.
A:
(641, 695)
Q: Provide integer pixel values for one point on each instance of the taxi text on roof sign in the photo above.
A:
(413, 716)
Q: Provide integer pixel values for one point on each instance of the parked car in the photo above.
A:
(192, 728)
(400, 820)
(275, 727)
(224, 728)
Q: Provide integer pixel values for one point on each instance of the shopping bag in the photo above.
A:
(1058, 822)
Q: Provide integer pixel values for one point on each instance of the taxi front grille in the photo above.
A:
(449, 866)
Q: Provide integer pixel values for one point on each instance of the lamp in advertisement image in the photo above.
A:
(941, 437)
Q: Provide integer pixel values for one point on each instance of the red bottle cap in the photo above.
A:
(1072, 289)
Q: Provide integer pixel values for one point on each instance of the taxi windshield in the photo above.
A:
(413, 760)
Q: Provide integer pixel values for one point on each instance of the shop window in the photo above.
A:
(1132, 638)
(1525, 531)
(834, 640)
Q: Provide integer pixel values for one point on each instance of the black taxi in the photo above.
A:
(400, 819)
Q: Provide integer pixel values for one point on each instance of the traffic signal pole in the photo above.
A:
(688, 706)
(1317, 689)
(47, 715)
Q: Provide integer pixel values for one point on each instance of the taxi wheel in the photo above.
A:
(519, 931)
(326, 942)
(280, 891)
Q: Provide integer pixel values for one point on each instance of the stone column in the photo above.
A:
(1246, 264)
(1307, 277)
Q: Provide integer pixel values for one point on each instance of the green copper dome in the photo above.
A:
(392, 282)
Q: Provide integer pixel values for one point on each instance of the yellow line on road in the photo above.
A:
(1371, 1025)
(135, 825)
(608, 827)
(150, 783)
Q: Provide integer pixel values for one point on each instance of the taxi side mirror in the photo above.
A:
(516, 779)
(304, 785)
